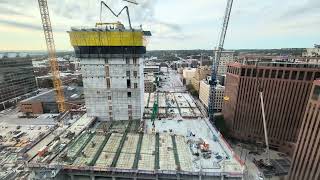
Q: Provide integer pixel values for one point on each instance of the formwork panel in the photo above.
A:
(182, 102)
(167, 161)
(148, 144)
(128, 151)
(147, 152)
(125, 160)
(73, 150)
(130, 144)
(105, 159)
(171, 100)
(151, 100)
(109, 150)
(186, 112)
(89, 151)
(162, 100)
(145, 99)
(197, 112)
(146, 161)
(190, 100)
(184, 154)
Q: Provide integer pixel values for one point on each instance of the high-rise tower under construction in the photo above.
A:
(111, 58)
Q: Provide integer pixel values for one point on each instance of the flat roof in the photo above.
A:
(49, 96)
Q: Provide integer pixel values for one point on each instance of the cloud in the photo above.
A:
(27, 25)
(310, 7)
(7, 11)
(20, 25)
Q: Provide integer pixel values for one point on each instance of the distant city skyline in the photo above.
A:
(174, 24)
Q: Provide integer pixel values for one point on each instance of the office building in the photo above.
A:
(201, 73)
(305, 164)
(286, 87)
(16, 79)
(188, 74)
(226, 58)
(204, 93)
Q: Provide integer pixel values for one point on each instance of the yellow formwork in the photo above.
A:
(106, 38)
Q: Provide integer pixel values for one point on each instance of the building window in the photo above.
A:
(128, 83)
(135, 73)
(108, 83)
(280, 73)
(248, 72)
(106, 61)
(128, 73)
(254, 72)
(110, 113)
(129, 94)
(134, 60)
(135, 85)
(316, 93)
(243, 71)
(130, 106)
(294, 75)
(286, 74)
(273, 73)
(110, 108)
(309, 76)
(317, 75)
(127, 60)
(107, 71)
(109, 97)
(260, 72)
(301, 75)
(266, 73)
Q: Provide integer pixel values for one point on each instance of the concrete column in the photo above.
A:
(92, 177)
(72, 177)
(113, 178)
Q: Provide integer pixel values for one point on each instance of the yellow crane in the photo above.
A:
(57, 84)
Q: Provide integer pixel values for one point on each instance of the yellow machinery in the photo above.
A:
(57, 84)
(106, 38)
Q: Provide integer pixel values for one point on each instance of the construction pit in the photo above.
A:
(132, 150)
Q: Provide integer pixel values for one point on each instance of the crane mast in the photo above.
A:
(214, 70)
(57, 84)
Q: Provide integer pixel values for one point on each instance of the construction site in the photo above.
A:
(121, 132)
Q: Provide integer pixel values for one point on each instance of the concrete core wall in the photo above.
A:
(113, 87)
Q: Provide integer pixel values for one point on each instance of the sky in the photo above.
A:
(174, 24)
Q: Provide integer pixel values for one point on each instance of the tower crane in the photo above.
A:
(214, 70)
(47, 29)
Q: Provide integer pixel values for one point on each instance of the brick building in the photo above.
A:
(286, 87)
(305, 164)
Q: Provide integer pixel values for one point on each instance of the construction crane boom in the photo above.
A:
(47, 29)
(214, 70)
